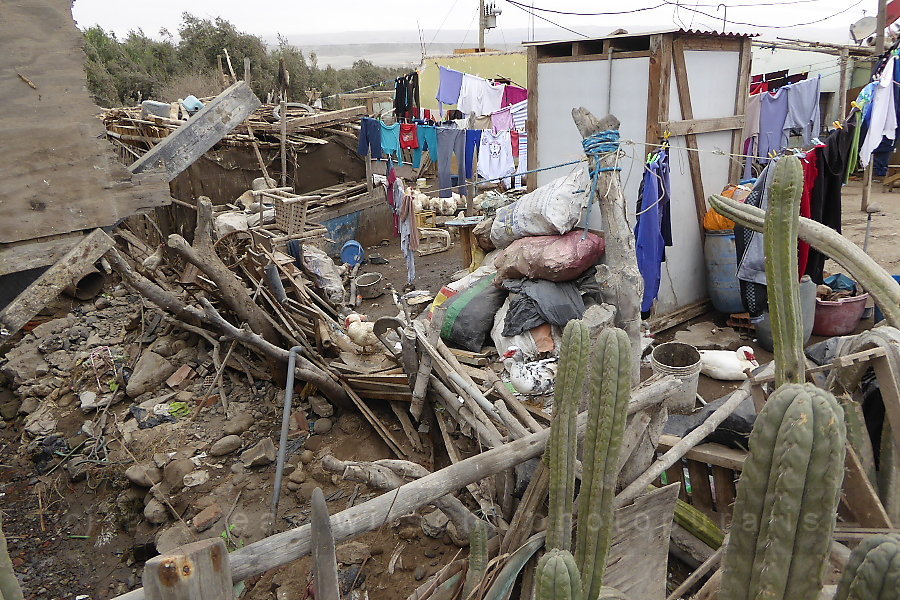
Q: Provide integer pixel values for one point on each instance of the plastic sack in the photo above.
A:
(327, 275)
(453, 288)
(228, 222)
(551, 257)
(713, 221)
(482, 233)
(552, 209)
(470, 314)
(540, 341)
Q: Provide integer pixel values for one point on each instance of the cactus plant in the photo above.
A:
(873, 571)
(557, 577)
(859, 265)
(478, 557)
(787, 496)
(607, 411)
(780, 240)
(560, 453)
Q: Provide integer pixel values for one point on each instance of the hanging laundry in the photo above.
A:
(449, 84)
(772, 114)
(406, 95)
(451, 141)
(803, 108)
(513, 94)
(653, 231)
(427, 141)
(370, 137)
(751, 258)
(478, 95)
(394, 194)
(495, 159)
(523, 159)
(881, 156)
(481, 122)
(514, 138)
(409, 235)
(751, 132)
(390, 139)
(810, 174)
(502, 120)
(409, 137)
(473, 137)
(883, 120)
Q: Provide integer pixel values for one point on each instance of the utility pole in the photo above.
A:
(481, 25)
(880, 24)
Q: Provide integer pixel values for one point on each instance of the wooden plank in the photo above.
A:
(48, 286)
(531, 122)
(344, 114)
(726, 491)
(720, 44)
(890, 396)
(703, 125)
(701, 492)
(859, 496)
(640, 545)
(675, 474)
(675, 318)
(190, 141)
(196, 571)
(687, 113)
(658, 92)
(590, 57)
(31, 254)
(713, 454)
(740, 107)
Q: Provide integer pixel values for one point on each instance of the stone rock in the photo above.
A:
(160, 459)
(174, 472)
(50, 327)
(25, 364)
(321, 406)
(456, 537)
(41, 422)
(155, 512)
(307, 457)
(314, 443)
(434, 524)
(29, 405)
(419, 573)
(77, 468)
(149, 373)
(292, 486)
(306, 489)
(101, 303)
(195, 478)
(207, 517)
(144, 475)
(226, 445)
(61, 359)
(67, 399)
(163, 346)
(91, 401)
(298, 475)
(352, 553)
(350, 423)
(171, 537)
(263, 453)
(322, 426)
(239, 423)
(9, 409)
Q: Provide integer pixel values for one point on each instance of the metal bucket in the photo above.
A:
(681, 361)
(370, 285)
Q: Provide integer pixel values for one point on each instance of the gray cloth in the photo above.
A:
(772, 115)
(803, 108)
(752, 265)
(451, 141)
(538, 301)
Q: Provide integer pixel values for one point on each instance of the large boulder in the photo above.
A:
(149, 373)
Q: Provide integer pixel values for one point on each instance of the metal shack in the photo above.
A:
(691, 84)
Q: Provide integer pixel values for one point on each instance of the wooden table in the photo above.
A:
(466, 225)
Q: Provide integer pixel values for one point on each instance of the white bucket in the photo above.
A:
(681, 361)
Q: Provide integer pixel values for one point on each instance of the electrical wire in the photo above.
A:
(677, 4)
(746, 24)
(441, 26)
(525, 8)
(577, 14)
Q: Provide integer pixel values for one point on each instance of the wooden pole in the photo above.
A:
(192, 572)
(247, 69)
(867, 187)
(283, 114)
(844, 62)
(880, 24)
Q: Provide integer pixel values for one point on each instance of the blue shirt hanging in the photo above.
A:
(653, 231)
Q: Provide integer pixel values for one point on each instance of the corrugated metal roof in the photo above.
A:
(697, 32)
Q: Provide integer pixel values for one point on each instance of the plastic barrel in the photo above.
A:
(681, 361)
(721, 271)
(352, 253)
(879, 316)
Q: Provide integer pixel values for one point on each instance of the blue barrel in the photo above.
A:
(721, 271)
(879, 316)
(352, 253)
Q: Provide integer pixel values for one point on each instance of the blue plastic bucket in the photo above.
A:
(879, 316)
(352, 253)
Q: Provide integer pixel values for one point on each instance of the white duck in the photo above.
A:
(727, 365)
(533, 378)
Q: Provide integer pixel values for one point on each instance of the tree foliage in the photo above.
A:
(138, 67)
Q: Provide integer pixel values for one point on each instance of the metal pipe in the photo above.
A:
(285, 426)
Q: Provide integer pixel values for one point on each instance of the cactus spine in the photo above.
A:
(859, 265)
(557, 577)
(607, 411)
(780, 240)
(787, 496)
(478, 558)
(560, 453)
(873, 571)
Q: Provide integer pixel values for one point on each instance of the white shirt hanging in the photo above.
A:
(495, 158)
(883, 122)
(479, 96)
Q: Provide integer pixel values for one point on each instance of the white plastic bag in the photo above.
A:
(502, 344)
(328, 277)
(552, 209)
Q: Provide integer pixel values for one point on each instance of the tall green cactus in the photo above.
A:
(780, 240)
(787, 496)
(561, 447)
(607, 411)
(478, 557)
(557, 577)
(859, 265)
(873, 571)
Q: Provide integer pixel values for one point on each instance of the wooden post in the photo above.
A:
(283, 113)
(867, 187)
(370, 186)
(196, 571)
(687, 113)
(740, 106)
(221, 72)
(844, 62)
(247, 69)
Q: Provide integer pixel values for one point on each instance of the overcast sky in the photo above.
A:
(349, 21)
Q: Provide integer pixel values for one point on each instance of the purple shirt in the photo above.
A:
(448, 86)
(773, 111)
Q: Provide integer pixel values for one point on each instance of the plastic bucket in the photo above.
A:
(681, 361)
(352, 253)
(879, 316)
(839, 318)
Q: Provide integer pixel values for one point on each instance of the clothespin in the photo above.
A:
(773, 154)
(837, 125)
(856, 105)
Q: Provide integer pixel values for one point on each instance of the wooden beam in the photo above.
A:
(325, 117)
(531, 121)
(859, 496)
(710, 453)
(687, 113)
(740, 107)
(190, 141)
(196, 571)
(31, 254)
(673, 319)
(703, 125)
(45, 288)
(660, 72)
